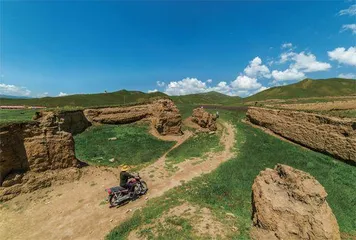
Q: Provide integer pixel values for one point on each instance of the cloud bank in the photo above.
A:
(8, 89)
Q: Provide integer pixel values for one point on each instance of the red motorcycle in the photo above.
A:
(119, 195)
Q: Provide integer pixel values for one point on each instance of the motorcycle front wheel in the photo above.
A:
(137, 190)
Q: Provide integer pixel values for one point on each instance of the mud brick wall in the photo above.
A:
(330, 135)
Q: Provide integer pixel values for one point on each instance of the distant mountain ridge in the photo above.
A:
(13, 97)
(87, 100)
(206, 98)
(302, 89)
(308, 88)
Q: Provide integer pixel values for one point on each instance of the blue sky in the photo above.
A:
(238, 48)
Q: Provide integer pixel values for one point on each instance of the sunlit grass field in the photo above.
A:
(195, 147)
(16, 115)
(228, 188)
(134, 145)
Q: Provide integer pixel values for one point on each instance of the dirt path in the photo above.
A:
(77, 210)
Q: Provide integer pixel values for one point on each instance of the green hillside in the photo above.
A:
(119, 98)
(303, 89)
(308, 88)
(87, 100)
(206, 98)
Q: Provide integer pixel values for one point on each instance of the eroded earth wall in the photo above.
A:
(163, 115)
(330, 135)
(34, 147)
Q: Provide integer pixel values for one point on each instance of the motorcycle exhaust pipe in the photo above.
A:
(122, 199)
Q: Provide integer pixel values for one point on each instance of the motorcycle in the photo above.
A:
(119, 195)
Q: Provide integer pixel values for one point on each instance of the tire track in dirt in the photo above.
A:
(77, 210)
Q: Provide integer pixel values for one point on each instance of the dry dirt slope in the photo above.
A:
(74, 210)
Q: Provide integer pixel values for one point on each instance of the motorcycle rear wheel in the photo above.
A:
(144, 188)
(113, 200)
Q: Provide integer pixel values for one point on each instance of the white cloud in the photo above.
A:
(260, 90)
(152, 91)
(303, 62)
(161, 84)
(287, 45)
(306, 62)
(209, 80)
(62, 94)
(242, 86)
(241, 93)
(286, 56)
(45, 94)
(245, 82)
(270, 63)
(256, 69)
(222, 84)
(222, 87)
(13, 90)
(344, 56)
(347, 75)
(351, 27)
(351, 11)
(289, 74)
(185, 86)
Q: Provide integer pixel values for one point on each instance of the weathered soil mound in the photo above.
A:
(163, 114)
(32, 147)
(16, 183)
(330, 135)
(290, 204)
(204, 119)
(73, 122)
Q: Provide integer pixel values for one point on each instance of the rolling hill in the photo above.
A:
(206, 98)
(308, 88)
(121, 97)
(13, 97)
(303, 89)
(87, 100)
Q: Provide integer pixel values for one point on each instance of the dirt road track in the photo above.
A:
(77, 211)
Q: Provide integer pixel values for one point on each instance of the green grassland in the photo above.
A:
(207, 98)
(134, 145)
(16, 115)
(195, 147)
(308, 88)
(121, 97)
(228, 188)
(186, 110)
